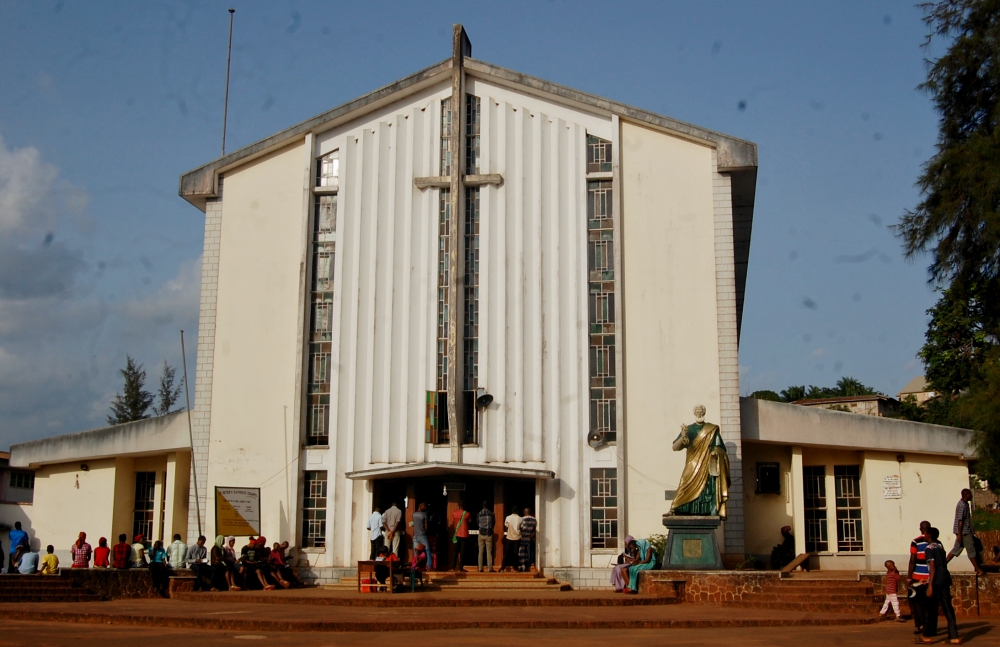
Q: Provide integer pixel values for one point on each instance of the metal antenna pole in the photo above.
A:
(187, 397)
(225, 105)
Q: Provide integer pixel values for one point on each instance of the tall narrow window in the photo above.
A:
(446, 137)
(314, 510)
(440, 433)
(324, 236)
(472, 126)
(601, 298)
(604, 508)
(142, 511)
(814, 486)
(849, 532)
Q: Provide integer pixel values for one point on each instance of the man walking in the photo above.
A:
(375, 531)
(197, 560)
(526, 552)
(487, 520)
(963, 532)
(391, 523)
(917, 574)
(939, 591)
(512, 539)
(420, 531)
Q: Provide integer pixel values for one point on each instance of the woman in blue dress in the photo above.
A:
(645, 560)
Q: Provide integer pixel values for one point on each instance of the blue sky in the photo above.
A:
(105, 104)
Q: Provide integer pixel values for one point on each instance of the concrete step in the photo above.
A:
(783, 596)
(856, 608)
(52, 597)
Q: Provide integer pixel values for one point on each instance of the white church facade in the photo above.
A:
(465, 231)
(474, 285)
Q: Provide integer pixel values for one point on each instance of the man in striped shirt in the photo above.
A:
(963, 532)
(917, 574)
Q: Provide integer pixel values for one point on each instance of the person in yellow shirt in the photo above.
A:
(50, 563)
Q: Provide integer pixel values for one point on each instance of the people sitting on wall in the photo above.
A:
(282, 571)
(158, 568)
(176, 552)
(288, 557)
(217, 560)
(232, 564)
(138, 558)
(644, 560)
(50, 563)
(120, 552)
(81, 552)
(29, 561)
(419, 563)
(619, 574)
(15, 560)
(196, 559)
(102, 554)
(250, 566)
(783, 554)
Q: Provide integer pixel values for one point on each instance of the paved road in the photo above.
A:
(44, 634)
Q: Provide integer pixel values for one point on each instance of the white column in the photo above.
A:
(798, 502)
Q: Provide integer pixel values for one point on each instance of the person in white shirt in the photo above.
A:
(512, 538)
(176, 553)
(375, 532)
(391, 523)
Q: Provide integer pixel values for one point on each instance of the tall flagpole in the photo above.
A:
(225, 105)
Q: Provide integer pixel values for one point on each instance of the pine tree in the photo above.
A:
(958, 219)
(168, 394)
(136, 400)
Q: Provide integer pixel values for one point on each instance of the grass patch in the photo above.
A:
(985, 520)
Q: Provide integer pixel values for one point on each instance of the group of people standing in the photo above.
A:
(928, 576)
(386, 530)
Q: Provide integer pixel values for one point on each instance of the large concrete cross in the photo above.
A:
(456, 182)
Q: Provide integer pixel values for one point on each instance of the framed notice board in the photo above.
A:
(237, 511)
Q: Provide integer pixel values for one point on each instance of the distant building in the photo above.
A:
(17, 491)
(867, 405)
(918, 388)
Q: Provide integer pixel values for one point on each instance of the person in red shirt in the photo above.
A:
(460, 536)
(892, 580)
(101, 553)
(120, 552)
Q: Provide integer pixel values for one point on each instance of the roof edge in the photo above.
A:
(199, 184)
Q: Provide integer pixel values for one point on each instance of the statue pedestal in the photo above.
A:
(691, 543)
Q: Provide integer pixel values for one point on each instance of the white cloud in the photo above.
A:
(26, 185)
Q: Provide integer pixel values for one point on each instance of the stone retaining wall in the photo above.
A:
(965, 590)
(112, 584)
(706, 586)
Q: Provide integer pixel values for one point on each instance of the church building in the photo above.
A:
(469, 285)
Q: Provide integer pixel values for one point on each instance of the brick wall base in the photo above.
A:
(966, 589)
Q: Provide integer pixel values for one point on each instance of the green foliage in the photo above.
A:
(845, 387)
(659, 544)
(133, 403)
(958, 218)
(168, 394)
(956, 340)
(766, 395)
(979, 409)
(983, 520)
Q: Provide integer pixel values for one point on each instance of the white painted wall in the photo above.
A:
(765, 514)
(671, 329)
(255, 360)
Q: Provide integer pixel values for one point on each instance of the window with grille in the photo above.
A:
(814, 486)
(446, 136)
(472, 127)
(321, 315)
(598, 155)
(22, 480)
(601, 288)
(145, 495)
(314, 510)
(439, 434)
(604, 508)
(849, 532)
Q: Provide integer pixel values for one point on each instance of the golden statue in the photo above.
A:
(704, 486)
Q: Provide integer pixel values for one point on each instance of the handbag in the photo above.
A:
(454, 538)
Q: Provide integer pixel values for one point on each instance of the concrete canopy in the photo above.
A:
(791, 424)
(436, 468)
(159, 435)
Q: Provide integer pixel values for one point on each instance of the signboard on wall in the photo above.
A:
(237, 511)
(892, 487)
